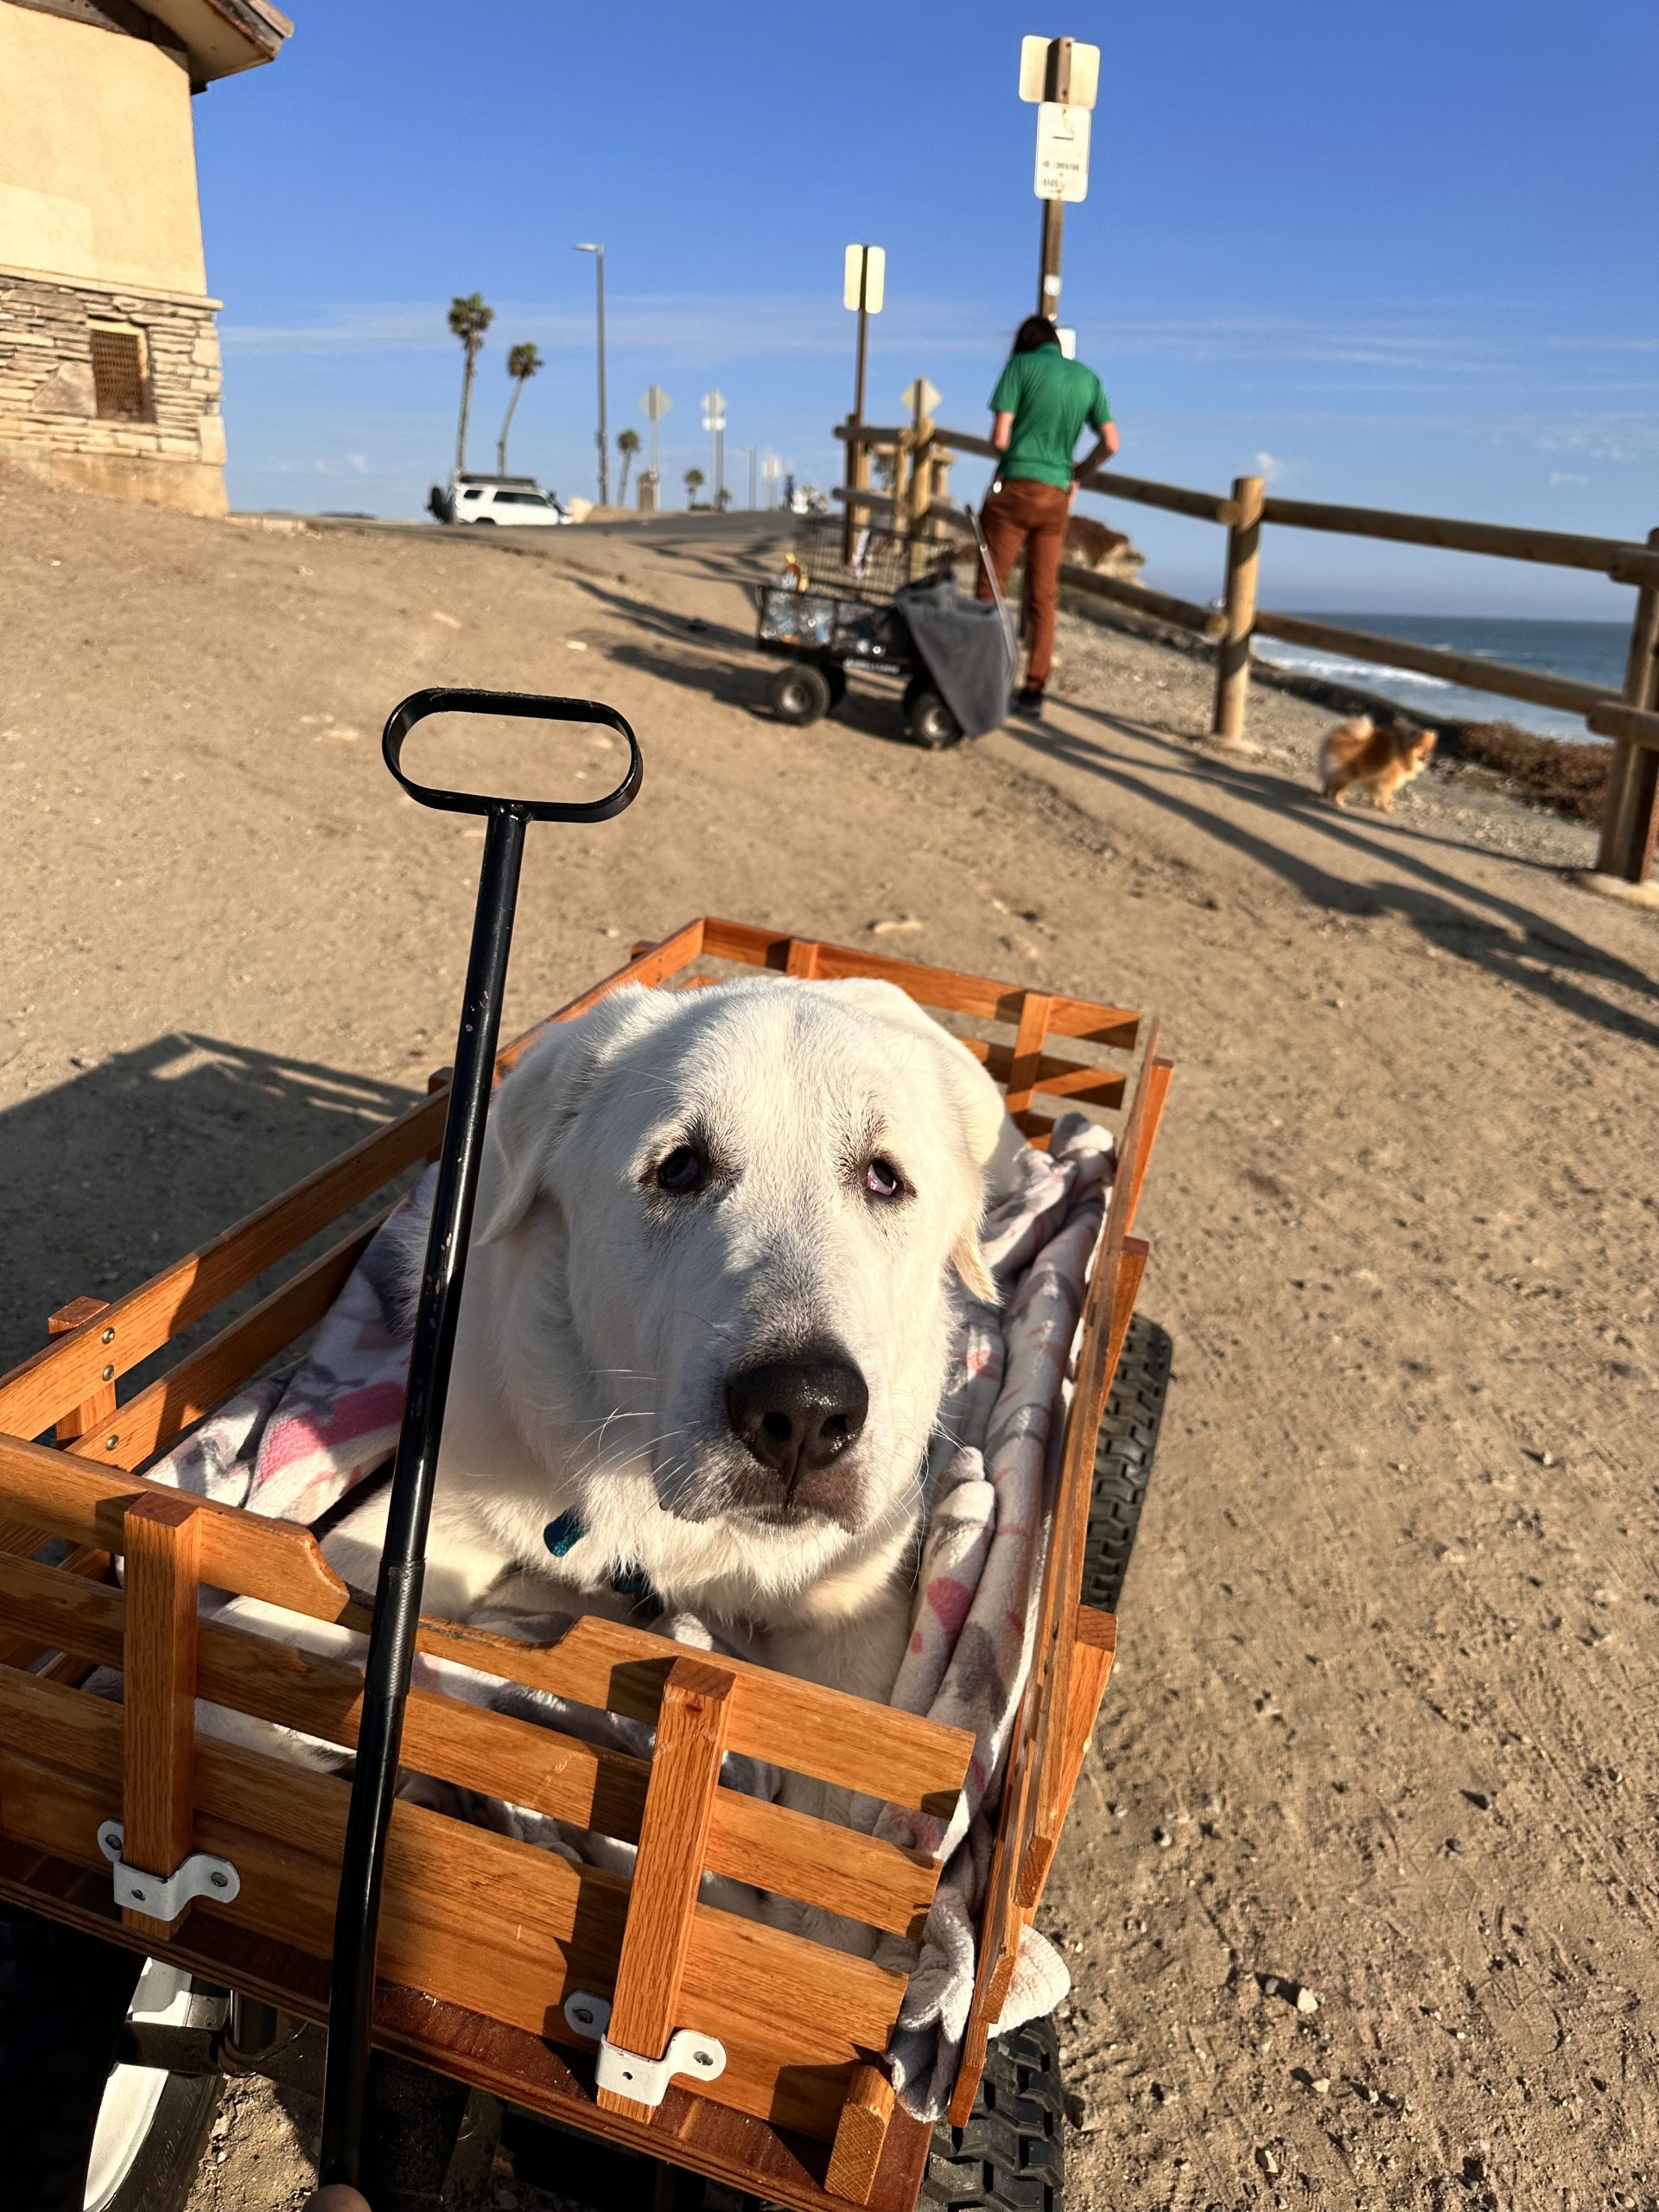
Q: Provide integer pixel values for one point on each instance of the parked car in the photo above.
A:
(518, 502)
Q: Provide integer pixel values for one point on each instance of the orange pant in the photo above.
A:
(1024, 513)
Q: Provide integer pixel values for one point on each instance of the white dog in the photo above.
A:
(707, 1316)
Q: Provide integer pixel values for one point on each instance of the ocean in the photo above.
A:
(1592, 653)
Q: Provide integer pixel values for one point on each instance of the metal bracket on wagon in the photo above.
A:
(701, 2058)
(200, 1876)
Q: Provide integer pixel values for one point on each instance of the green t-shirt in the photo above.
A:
(1051, 399)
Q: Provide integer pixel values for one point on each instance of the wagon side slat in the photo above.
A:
(787, 2168)
(474, 1918)
(751, 1840)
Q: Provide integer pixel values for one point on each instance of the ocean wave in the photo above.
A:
(1310, 664)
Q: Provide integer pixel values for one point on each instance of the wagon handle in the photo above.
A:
(403, 1562)
(445, 699)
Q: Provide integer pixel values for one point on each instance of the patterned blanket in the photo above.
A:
(294, 1443)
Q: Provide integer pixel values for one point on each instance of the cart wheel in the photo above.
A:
(78, 2130)
(928, 721)
(800, 695)
(836, 676)
(1123, 1456)
(1011, 2156)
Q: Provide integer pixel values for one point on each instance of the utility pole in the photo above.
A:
(752, 451)
(863, 289)
(1062, 75)
(598, 252)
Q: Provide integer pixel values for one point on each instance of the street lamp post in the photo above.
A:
(598, 252)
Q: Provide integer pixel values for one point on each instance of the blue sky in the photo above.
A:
(1396, 255)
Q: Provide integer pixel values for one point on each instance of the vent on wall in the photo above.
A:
(119, 374)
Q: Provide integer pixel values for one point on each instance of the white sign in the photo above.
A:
(865, 270)
(1068, 342)
(714, 410)
(921, 398)
(1062, 152)
(1034, 71)
(656, 403)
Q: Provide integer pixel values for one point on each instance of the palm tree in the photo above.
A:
(628, 444)
(523, 361)
(469, 321)
(693, 485)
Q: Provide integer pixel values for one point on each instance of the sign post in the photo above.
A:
(1062, 77)
(864, 284)
(714, 421)
(656, 403)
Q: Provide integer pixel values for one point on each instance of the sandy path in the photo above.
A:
(1387, 1648)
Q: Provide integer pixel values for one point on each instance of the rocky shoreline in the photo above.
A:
(1553, 773)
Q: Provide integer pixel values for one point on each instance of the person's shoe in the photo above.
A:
(1028, 702)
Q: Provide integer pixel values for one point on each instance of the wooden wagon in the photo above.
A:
(484, 1940)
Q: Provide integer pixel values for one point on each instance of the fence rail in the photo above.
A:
(922, 452)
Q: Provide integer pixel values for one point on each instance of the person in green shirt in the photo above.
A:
(1042, 404)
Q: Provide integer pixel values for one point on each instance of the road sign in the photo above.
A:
(714, 410)
(1062, 152)
(1034, 71)
(921, 398)
(655, 402)
(865, 274)
(1068, 342)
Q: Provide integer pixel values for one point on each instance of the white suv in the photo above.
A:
(514, 501)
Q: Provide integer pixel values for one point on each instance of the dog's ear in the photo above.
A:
(993, 1142)
(536, 1104)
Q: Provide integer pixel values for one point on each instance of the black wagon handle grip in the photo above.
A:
(526, 706)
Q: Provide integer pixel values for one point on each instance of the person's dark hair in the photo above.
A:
(1034, 332)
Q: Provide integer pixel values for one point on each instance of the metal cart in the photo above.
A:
(832, 609)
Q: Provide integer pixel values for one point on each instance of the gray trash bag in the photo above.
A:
(969, 646)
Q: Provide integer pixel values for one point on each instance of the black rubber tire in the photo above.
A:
(836, 676)
(1123, 1455)
(800, 693)
(928, 722)
(63, 1998)
(1012, 2154)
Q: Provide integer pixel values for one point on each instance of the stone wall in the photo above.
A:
(48, 415)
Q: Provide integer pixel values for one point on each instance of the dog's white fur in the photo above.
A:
(602, 1316)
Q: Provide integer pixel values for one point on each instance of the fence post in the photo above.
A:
(1233, 652)
(1630, 821)
(919, 496)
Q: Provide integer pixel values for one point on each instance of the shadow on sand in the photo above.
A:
(109, 1176)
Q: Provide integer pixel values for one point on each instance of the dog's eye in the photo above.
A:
(681, 1171)
(882, 1179)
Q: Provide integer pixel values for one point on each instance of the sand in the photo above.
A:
(1381, 1723)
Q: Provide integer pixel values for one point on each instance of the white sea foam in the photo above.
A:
(1300, 664)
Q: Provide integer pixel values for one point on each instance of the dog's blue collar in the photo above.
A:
(563, 1534)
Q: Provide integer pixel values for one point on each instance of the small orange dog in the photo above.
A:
(1379, 759)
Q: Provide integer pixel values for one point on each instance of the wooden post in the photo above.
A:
(162, 1535)
(861, 2135)
(100, 1404)
(1233, 653)
(916, 504)
(673, 1839)
(1630, 821)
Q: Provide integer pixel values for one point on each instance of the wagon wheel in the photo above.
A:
(800, 693)
(928, 722)
(1123, 1455)
(1011, 2156)
(77, 2129)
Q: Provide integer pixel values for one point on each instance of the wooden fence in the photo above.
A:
(921, 454)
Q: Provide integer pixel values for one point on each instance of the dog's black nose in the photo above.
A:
(797, 1414)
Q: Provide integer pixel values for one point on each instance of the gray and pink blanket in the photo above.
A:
(295, 1443)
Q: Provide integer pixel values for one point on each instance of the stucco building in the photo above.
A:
(109, 358)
